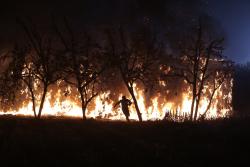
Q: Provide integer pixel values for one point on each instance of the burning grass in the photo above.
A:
(156, 108)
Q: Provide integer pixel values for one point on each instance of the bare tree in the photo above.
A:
(21, 70)
(36, 64)
(221, 73)
(201, 64)
(134, 55)
(82, 64)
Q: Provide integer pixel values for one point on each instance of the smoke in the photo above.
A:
(167, 14)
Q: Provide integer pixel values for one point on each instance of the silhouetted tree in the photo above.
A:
(36, 64)
(82, 64)
(241, 90)
(201, 63)
(134, 55)
(21, 69)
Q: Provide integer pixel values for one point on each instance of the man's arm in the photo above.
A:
(117, 103)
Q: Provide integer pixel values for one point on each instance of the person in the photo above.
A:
(125, 103)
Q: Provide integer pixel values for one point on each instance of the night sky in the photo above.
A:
(233, 16)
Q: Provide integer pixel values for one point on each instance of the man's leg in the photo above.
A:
(127, 118)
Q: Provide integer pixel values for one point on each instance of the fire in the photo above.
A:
(156, 109)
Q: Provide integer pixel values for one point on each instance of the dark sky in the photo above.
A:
(232, 15)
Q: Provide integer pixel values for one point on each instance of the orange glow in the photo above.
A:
(102, 106)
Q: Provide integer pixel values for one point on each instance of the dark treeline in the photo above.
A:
(241, 90)
(85, 62)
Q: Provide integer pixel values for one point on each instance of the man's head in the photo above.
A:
(123, 97)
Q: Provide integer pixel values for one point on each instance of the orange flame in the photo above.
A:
(103, 106)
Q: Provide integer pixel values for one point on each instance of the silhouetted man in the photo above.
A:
(125, 103)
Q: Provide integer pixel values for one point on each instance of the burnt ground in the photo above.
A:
(72, 142)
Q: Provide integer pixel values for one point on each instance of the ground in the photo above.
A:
(73, 142)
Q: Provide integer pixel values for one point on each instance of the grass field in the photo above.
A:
(72, 142)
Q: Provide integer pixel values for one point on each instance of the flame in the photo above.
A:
(103, 107)
(153, 107)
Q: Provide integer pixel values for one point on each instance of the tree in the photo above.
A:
(82, 64)
(21, 70)
(35, 64)
(201, 64)
(134, 55)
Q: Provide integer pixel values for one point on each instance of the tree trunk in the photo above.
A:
(131, 91)
(210, 102)
(197, 107)
(194, 84)
(34, 106)
(84, 112)
(42, 102)
(199, 92)
(33, 100)
(193, 100)
(84, 106)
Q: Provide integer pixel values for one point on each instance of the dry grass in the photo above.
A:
(72, 142)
